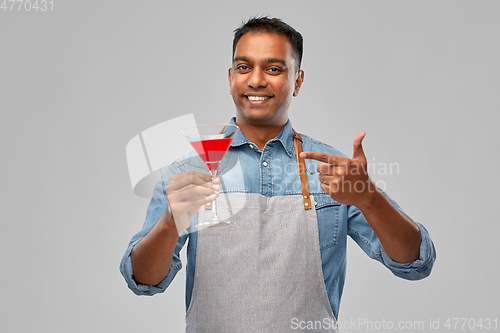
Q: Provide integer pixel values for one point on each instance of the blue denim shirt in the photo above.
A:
(273, 172)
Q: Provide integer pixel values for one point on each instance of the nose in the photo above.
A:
(257, 79)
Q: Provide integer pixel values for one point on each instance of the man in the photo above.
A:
(283, 263)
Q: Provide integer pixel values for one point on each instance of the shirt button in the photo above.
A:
(264, 164)
(315, 203)
(251, 146)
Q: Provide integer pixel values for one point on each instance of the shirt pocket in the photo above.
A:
(327, 212)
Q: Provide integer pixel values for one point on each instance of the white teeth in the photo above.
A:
(258, 98)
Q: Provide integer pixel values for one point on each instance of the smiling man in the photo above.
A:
(264, 78)
(282, 266)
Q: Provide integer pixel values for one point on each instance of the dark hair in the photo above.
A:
(267, 24)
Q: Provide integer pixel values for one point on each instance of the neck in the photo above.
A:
(260, 134)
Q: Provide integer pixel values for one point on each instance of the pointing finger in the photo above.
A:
(326, 158)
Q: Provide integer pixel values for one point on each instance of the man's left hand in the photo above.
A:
(346, 180)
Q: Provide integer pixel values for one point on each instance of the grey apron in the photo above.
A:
(263, 274)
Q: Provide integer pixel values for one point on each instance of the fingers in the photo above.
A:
(191, 189)
(331, 188)
(184, 179)
(332, 169)
(328, 179)
(193, 203)
(340, 166)
(190, 175)
(183, 210)
(323, 157)
(358, 153)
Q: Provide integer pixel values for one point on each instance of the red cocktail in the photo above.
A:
(212, 151)
(211, 142)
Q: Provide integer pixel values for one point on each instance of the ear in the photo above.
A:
(229, 74)
(298, 82)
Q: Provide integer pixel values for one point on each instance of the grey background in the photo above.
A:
(76, 84)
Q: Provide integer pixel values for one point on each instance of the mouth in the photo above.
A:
(257, 98)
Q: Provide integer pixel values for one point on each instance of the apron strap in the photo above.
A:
(297, 140)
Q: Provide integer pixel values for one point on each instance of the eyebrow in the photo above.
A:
(268, 61)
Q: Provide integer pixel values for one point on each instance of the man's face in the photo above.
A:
(263, 78)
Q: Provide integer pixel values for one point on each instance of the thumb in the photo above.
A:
(358, 153)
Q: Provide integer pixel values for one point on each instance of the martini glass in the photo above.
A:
(211, 141)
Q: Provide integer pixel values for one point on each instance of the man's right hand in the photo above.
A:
(187, 192)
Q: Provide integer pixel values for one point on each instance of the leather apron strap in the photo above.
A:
(297, 140)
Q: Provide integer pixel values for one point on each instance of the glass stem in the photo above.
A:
(215, 217)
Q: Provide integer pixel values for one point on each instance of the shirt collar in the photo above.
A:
(285, 137)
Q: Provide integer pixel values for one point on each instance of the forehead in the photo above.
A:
(257, 45)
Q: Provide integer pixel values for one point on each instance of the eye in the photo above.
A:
(242, 68)
(274, 70)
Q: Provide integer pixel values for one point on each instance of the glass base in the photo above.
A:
(212, 224)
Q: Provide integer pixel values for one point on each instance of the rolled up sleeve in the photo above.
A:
(362, 233)
(145, 289)
(419, 268)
